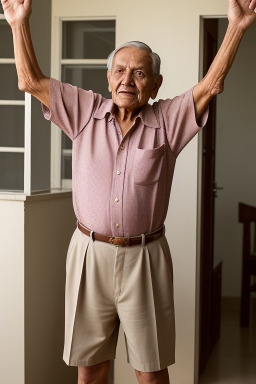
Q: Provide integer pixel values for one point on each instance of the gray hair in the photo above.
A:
(156, 61)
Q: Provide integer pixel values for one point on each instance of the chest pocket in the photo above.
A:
(147, 165)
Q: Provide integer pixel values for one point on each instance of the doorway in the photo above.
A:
(228, 161)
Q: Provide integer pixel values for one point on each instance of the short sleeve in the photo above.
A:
(70, 107)
(180, 120)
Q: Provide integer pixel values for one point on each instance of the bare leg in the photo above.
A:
(157, 377)
(94, 374)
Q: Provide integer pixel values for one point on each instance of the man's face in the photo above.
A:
(131, 79)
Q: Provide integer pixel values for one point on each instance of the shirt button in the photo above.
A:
(122, 147)
(116, 199)
(118, 172)
(117, 225)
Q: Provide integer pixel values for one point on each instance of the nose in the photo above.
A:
(128, 79)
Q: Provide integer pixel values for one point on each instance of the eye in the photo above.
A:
(139, 73)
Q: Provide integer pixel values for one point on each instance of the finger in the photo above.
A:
(233, 3)
(27, 3)
(3, 3)
(252, 4)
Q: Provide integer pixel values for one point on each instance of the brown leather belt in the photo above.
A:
(123, 241)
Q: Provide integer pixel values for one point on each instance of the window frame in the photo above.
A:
(26, 103)
(56, 71)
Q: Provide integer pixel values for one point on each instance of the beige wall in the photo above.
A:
(171, 28)
(49, 224)
(235, 159)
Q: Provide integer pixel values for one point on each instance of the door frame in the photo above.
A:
(199, 197)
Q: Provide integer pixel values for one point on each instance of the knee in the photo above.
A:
(149, 377)
(86, 378)
(91, 379)
(96, 374)
(155, 377)
(83, 380)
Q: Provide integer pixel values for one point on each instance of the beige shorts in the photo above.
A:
(106, 284)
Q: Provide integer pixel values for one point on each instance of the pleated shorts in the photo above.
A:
(108, 284)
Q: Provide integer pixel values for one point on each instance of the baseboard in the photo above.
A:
(233, 303)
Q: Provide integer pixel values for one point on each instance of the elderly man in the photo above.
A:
(119, 265)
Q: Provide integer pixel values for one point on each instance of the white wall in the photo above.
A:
(235, 159)
(12, 292)
(35, 232)
(171, 28)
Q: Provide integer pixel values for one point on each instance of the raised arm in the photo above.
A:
(241, 15)
(30, 77)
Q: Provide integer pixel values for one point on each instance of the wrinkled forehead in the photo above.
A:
(132, 57)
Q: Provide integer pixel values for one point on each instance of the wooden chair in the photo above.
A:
(247, 216)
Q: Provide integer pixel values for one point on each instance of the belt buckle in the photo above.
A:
(111, 240)
(127, 241)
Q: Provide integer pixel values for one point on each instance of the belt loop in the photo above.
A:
(77, 222)
(142, 239)
(91, 235)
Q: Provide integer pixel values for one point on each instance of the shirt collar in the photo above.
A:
(146, 114)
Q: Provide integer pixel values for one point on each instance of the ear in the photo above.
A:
(157, 84)
(108, 76)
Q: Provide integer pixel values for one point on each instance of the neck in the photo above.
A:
(125, 115)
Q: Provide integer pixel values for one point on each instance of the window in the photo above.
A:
(85, 46)
(15, 121)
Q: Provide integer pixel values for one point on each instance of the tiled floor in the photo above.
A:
(234, 357)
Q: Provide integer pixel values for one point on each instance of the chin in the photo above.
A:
(125, 105)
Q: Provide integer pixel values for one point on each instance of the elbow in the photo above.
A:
(214, 86)
(22, 86)
(217, 89)
(28, 85)
(25, 85)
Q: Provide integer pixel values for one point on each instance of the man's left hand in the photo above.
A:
(241, 13)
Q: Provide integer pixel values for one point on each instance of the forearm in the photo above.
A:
(29, 73)
(213, 82)
(214, 79)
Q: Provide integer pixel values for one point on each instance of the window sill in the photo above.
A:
(47, 195)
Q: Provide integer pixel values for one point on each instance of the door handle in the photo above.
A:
(216, 189)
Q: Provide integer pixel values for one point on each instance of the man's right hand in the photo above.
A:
(16, 11)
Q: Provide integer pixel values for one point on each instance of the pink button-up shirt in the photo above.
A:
(121, 185)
